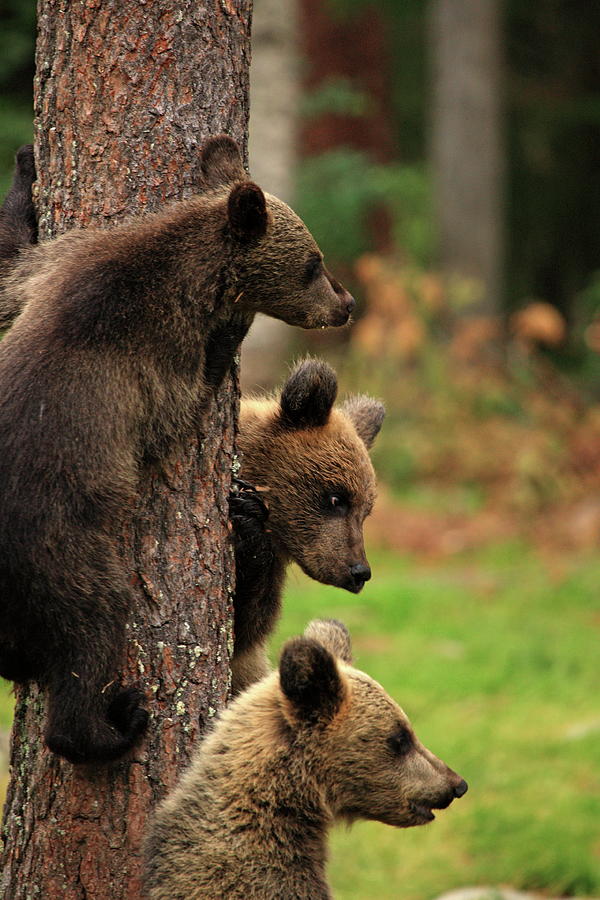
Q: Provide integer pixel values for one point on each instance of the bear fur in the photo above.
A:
(312, 744)
(122, 336)
(311, 464)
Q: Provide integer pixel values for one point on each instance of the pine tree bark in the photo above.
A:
(125, 94)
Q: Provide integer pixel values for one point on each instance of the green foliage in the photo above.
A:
(589, 298)
(335, 189)
(494, 658)
(344, 186)
(581, 357)
(405, 191)
(16, 128)
(17, 45)
(335, 96)
(344, 9)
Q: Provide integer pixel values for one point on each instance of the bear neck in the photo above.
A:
(270, 808)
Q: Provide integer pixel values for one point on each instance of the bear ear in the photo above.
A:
(247, 212)
(367, 415)
(333, 635)
(308, 395)
(310, 680)
(221, 162)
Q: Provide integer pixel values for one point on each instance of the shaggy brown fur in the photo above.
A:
(122, 337)
(311, 460)
(316, 742)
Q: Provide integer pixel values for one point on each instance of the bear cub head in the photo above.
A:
(312, 460)
(315, 742)
(276, 261)
(368, 754)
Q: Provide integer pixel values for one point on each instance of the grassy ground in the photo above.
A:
(495, 659)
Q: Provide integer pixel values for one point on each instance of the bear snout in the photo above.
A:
(457, 789)
(342, 315)
(461, 788)
(345, 304)
(353, 578)
(360, 573)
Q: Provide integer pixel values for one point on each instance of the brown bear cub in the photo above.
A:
(314, 743)
(122, 336)
(312, 461)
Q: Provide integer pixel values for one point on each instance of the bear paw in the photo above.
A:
(246, 504)
(127, 714)
(15, 665)
(25, 164)
(85, 739)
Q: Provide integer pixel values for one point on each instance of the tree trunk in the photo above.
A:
(274, 97)
(125, 94)
(466, 146)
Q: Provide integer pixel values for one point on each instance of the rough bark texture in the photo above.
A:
(124, 96)
(466, 145)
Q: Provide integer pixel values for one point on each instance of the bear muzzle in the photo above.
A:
(359, 574)
(343, 313)
(351, 579)
(422, 810)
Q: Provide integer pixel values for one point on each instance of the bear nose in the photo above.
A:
(360, 573)
(350, 304)
(461, 788)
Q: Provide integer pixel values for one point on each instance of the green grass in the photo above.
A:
(496, 661)
(6, 705)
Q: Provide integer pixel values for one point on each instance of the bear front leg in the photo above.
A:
(18, 228)
(16, 664)
(18, 220)
(91, 717)
(222, 344)
(259, 581)
(110, 726)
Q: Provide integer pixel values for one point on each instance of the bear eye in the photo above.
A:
(313, 268)
(400, 742)
(336, 503)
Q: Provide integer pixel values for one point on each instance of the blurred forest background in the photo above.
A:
(446, 155)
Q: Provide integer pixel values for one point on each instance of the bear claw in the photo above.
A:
(246, 503)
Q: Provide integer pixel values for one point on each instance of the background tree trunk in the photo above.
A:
(466, 145)
(272, 146)
(352, 48)
(125, 94)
